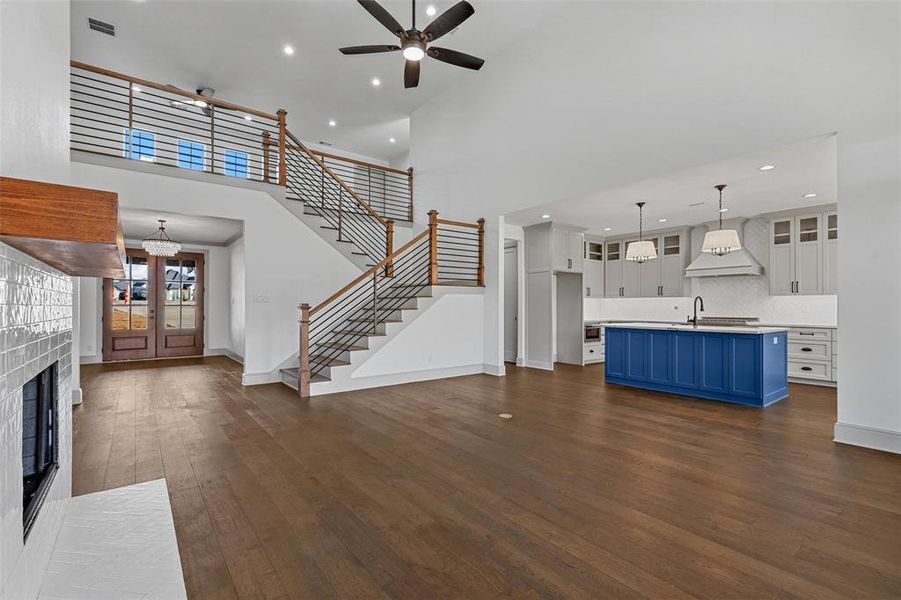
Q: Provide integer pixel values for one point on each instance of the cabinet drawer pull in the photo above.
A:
(807, 368)
(806, 349)
(806, 333)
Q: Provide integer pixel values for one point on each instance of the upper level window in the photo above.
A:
(139, 144)
(236, 163)
(190, 155)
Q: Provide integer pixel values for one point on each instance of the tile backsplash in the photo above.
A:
(36, 303)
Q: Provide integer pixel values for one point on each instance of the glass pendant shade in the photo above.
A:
(721, 242)
(641, 251)
(161, 244)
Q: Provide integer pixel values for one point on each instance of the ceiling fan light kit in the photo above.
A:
(414, 44)
(722, 241)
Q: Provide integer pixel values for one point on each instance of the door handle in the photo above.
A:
(589, 292)
(569, 263)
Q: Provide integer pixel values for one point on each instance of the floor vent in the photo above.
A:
(98, 25)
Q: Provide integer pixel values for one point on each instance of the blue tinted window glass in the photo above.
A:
(235, 163)
(190, 155)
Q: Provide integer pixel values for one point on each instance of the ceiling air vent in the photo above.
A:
(98, 25)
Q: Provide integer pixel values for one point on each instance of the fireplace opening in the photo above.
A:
(39, 442)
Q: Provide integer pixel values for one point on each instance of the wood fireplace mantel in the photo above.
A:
(73, 229)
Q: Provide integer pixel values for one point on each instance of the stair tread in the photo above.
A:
(295, 373)
(367, 333)
(321, 359)
(344, 345)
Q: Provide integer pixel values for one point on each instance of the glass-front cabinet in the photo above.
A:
(804, 254)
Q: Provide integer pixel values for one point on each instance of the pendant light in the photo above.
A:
(722, 241)
(641, 251)
(160, 244)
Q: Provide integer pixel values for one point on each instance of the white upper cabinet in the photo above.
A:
(830, 279)
(593, 269)
(800, 257)
(567, 250)
(663, 276)
(673, 260)
(613, 269)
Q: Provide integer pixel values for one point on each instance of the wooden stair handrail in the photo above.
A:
(171, 89)
(458, 223)
(361, 163)
(340, 181)
(369, 273)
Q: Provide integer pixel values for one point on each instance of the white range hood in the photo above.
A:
(737, 262)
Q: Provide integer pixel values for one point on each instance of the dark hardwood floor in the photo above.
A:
(421, 491)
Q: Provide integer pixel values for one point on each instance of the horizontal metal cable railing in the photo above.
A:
(446, 253)
(126, 117)
(119, 115)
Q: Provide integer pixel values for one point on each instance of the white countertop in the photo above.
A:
(700, 328)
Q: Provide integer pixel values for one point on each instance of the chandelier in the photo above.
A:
(160, 244)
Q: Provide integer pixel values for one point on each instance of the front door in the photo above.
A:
(156, 311)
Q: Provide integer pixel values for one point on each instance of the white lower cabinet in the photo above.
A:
(812, 355)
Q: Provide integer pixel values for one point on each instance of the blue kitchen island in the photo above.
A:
(743, 365)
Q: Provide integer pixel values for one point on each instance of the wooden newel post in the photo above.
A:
(282, 173)
(266, 143)
(303, 380)
(481, 223)
(433, 247)
(389, 247)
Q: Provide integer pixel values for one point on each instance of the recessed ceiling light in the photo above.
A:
(767, 167)
(288, 49)
(431, 10)
(376, 81)
(545, 216)
(135, 88)
(810, 195)
(607, 228)
(392, 140)
(248, 118)
(331, 123)
(661, 220)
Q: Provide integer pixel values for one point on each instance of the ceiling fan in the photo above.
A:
(205, 107)
(415, 43)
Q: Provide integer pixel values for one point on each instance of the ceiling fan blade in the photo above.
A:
(367, 49)
(382, 16)
(411, 73)
(448, 20)
(459, 59)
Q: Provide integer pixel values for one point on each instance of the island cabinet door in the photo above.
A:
(744, 376)
(714, 361)
(659, 368)
(685, 359)
(615, 352)
(637, 354)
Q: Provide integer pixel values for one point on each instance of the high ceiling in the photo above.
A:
(138, 224)
(236, 48)
(688, 197)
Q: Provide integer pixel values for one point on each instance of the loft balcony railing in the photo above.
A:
(119, 115)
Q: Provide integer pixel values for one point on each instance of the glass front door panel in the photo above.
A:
(180, 293)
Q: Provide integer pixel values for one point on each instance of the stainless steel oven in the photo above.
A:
(592, 332)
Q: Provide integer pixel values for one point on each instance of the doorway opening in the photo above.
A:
(156, 310)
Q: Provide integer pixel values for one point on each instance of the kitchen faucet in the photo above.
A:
(694, 320)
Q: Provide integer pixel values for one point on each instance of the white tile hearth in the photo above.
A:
(119, 545)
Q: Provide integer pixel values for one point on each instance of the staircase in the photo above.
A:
(447, 253)
(350, 203)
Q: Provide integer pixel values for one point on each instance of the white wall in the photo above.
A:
(642, 89)
(237, 292)
(285, 263)
(34, 126)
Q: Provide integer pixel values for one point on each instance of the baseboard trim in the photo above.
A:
(224, 352)
(261, 378)
(373, 381)
(538, 364)
(868, 437)
(496, 370)
(520, 362)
